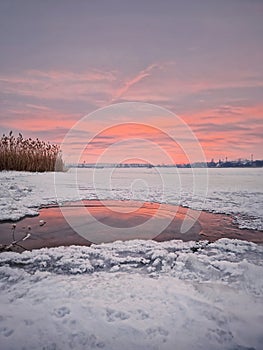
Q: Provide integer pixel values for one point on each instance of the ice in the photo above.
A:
(133, 295)
(231, 191)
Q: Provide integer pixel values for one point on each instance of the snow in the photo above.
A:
(232, 191)
(134, 295)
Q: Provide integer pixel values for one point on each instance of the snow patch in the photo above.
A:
(133, 295)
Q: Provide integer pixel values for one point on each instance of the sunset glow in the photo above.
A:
(201, 60)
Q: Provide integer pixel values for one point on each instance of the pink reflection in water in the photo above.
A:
(121, 214)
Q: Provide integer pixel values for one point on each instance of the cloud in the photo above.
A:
(214, 128)
(38, 107)
(135, 80)
(94, 85)
(38, 121)
(92, 75)
(159, 83)
(165, 84)
(30, 102)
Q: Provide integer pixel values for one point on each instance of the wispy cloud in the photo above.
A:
(159, 83)
(61, 85)
(38, 107)
(135, 80)
(36, 94)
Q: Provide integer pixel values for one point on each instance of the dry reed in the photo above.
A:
(17, 153)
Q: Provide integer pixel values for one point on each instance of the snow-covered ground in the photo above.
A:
(230, 191)
(138, 294)
(134, 295)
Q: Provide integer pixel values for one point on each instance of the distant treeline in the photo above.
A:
(220, 164)
(224, 164)
(17, 153)
(236, 164)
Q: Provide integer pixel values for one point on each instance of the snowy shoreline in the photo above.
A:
(22, 194)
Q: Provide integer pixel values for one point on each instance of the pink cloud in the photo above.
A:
(38, 119)
(136, 79)
(66, 85)
(224, 129)
(157, 83)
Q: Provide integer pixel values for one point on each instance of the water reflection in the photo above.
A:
(120, 216)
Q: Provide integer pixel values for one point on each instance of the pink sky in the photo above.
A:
(202, 62)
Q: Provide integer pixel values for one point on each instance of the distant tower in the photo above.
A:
(226, 159)
(251, 157)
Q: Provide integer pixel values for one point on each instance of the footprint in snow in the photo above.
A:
(157, 332)
(142, 315)
(115, 315)
(6, 331)
(61, 311)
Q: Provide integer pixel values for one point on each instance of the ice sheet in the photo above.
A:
(231, 191)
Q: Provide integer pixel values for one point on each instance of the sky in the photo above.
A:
(200, 60)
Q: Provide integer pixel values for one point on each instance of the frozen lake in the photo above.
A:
(135, 294)
(229, 191)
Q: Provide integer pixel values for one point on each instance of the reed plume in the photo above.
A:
(17, 153)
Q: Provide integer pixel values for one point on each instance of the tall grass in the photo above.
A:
(17, 153)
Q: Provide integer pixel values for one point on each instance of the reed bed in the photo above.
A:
(17, 153)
